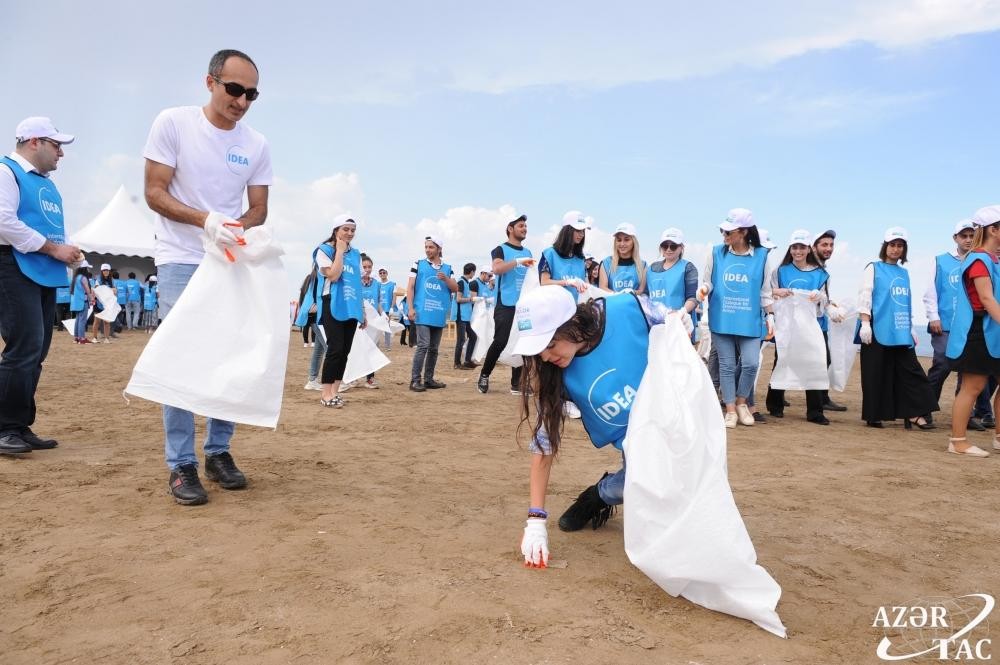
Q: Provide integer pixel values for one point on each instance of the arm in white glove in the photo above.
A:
(535, 543)
(769, 320)
(866, 332)
(685, 318)
(524, 261)
(219, 230)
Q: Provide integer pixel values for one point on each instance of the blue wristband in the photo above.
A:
(537, 512)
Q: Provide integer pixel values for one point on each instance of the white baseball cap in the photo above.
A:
(105, 266)
(539, 313)
(435, 239)
(738, 218)
(986, 216)
(672, 235)
(152, 278)
(963, 225)
(765, 239)
(800, 237)
(346, 218)
(626, 228)
(39, 127)
(895, 233)
(575, 219)
(84, 264)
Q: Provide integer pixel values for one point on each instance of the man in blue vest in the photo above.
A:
(33, 260)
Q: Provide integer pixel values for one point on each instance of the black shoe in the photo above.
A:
(588, 507)
(11, 443)
(186, 487)
(974, 424)
(775, 414)
(915, 422)
(461, 366)
(989, 422)
(875, 423)
(222, 469)
(434, 384)
(468, 364)
(36, 442)
(417, 386)
(785, 402)
(758, 417)
(830, 405)
(819, 420)
(484, 384)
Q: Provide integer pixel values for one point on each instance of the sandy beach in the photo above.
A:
(388, 532)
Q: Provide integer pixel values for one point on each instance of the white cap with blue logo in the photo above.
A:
(539, 313)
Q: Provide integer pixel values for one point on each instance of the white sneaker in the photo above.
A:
(371, 383)
(312, 344)
(313, 384)
(744, 415)
(731, 419)
(571, 410)
(344, 387)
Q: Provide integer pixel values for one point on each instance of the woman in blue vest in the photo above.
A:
(429, 289)
(800, 270)
(341, 310)
(673, 280)
(150, 303)
(974, 338)
(893, 384)
(387, 299)
(81, 297)
(371, 294)
(103, 279)
(310, 294)
(568, 350)
(563, 262)
(624, 270)
(738, 289)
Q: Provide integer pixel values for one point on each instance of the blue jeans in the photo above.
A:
(319, 350)
(133, 309)
(749, 356)
(80, 325)
(611, 488)
(178, 424)
(26, 313)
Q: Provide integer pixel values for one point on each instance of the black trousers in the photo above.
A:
(339, 338)
(893, 384)
(310, 320)
(464, 329)
(503, 319)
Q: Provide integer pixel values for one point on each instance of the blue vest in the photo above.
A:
(625, 277)
(431, 296)
(78, 299)
(562, 268)
(484, 289)
(667, 288)
(386, 291)
(370, 293)
(312, 296)
(404, 309)
(790, 277)
(465, 308)
(149, 298)
(947, 283)
(891, 305)
(40, 208)
(603, 382)
(120, 291)
(962, 320)
(734, 303)
(132, 290)
(345, 293)
(511, 282)
(62, 295)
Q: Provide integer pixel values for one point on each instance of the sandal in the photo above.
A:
(335, 403)
(971, 451)
(919, 422)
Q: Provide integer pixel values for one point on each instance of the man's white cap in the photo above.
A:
(436, 240)
(575, 219)
(986, 216)
(800, 237)
(538, 314)
(738, 218)
(895, 233)
(765, 239)
(963, 225)
(346, 218)
(588, 255)
(626, 228)
(38, 127)
(153, 278)
(672, 235)
(382, 269)
(105, 266)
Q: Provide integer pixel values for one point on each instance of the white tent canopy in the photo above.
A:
(122, 228)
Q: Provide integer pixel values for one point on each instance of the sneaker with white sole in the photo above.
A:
(744, 416)
(344, 387)
(313, 384)
(731, 419)
(371, 384)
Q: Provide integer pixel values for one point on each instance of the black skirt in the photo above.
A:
(976, 358)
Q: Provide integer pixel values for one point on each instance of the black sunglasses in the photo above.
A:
(237, 90)
(669, 246)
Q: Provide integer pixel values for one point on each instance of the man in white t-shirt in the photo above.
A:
(199, 163)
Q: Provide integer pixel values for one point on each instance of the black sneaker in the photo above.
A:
(989, 422)
(11, 443)
(468, 364)
(185, 486)
(417, 387)
(461, 366)
(222, 469)
(758, 417)
(830, 405)
(484, 384)
(36, 442)
(588, 507)
(819, 420)
(975, 424)
(434, 384)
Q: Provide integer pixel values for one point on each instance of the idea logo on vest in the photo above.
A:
(51, 211)
(899, 292)
(613, 402)
(735, 278)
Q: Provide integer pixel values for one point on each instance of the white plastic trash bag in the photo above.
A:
(682, 526)
(482, 324)
(506, 357)
(843, 350)
(593, 292)
(221, 351)
(70, 324)
(799, 344)
(364, 358)
(379, 324)
(109, 300)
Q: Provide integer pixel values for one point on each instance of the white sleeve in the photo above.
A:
(770, 277)
(931, 301)
(13, 231)
(865, 290)
(706, 274)
(161, 144)
(322, 260)
(263, 175)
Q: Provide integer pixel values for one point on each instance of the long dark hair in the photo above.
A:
(902, 259)
(106, 281)
(546, 380)
(811, 258)
(564, 245)
(79, 271)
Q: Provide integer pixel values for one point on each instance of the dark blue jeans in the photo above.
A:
(26, 312)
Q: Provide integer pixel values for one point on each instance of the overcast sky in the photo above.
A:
(456, 117)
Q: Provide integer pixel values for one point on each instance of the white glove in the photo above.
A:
(524, 260)
(837, 314)
(866, 332)
(769, 320)
(814, 295)
(535, 543)
(685, 318)
(702, 292)
(217, 231)
(476, 299)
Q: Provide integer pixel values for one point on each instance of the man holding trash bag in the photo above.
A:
(199, 163)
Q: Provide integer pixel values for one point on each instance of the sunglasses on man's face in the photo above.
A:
(236, 90)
